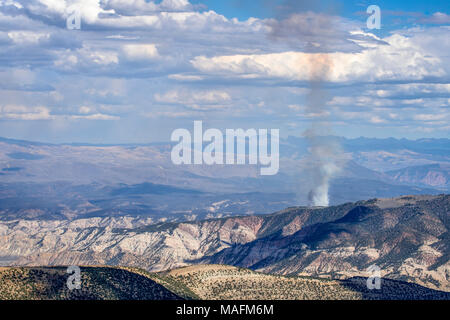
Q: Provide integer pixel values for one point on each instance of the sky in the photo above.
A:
(136, 70)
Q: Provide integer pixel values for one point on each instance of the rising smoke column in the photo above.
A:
(323, 160)
(314, 34)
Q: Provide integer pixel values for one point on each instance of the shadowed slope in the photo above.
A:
(97, 283)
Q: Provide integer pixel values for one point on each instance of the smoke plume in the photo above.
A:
(314, 33)
(323, 160)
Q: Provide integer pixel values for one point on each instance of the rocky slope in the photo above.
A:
(222, 282)
(199, 282)
(408, 238)
(97, 283)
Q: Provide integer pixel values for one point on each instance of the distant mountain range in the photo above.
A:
(128, 205)
(435, 175)
(407, 237)
(67, 181)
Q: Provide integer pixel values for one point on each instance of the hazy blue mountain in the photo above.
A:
(69, 180)
(435, 175)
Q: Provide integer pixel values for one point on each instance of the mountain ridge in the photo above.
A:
(197, 282)
(406, 236)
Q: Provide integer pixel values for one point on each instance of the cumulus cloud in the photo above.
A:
(170, 114)
(392, 62)
(87, 59)
(95, 116)
(20, 112)
(376, 119)
(130, 14)
(437, 18)
(139, 7)
(369, 101)
(411, 90)
(198, 100)
(185, 77)
(131, 57)
(431, 117)
(140, 51)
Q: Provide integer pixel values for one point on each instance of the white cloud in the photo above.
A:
(185, 77)
(20, 112)
(176, 4)
(86, 57)
(199, 100)
(411, 89)
(381, 63)
(371, 101)
(385, 80)
(438, 18)
(85, 110)
(135, 7)
(430, 117)
(296, 107)
(140, 51)
(27, 37)
(100, 57)
(96, 116)
(170, 114)
(376, 120)
(364, 101)
(132, 14)
(11, 3)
